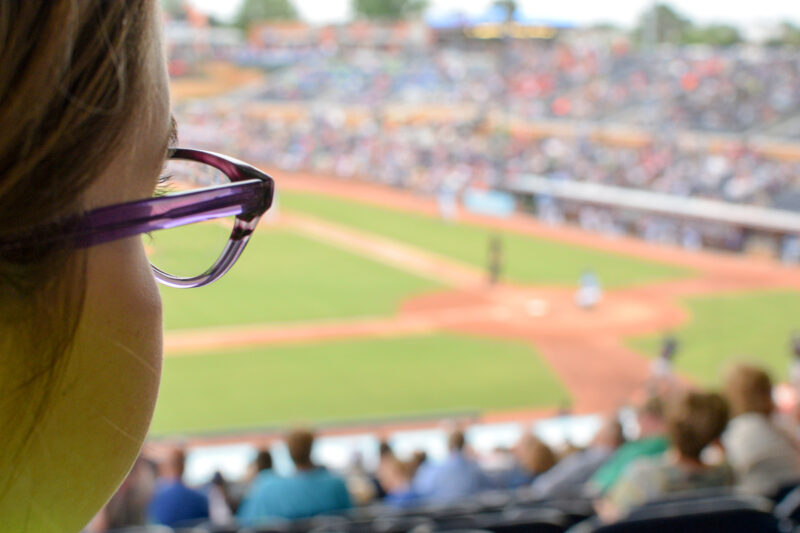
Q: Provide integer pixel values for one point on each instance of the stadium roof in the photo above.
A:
(747, 216)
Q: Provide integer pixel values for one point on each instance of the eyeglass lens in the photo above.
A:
(188, 251)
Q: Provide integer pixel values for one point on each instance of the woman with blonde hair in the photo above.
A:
(86, 130)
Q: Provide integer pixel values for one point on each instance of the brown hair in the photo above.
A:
(263, 460)
(70, 85)
(695, 420)
(653, 407)
(300, 442)
(456, 441)
(536, 456)
(173, 463)
(748, 390)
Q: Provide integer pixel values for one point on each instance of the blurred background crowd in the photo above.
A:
(683, 440)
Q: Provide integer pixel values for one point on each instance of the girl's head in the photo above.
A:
(84, 116)
(749, 390)
(695, 420)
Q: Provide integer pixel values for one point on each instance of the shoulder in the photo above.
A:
(748, 430)
(190, 493)
(266, 482)
(323, 475)
(749, 422)
(198, 496)
(648, 468)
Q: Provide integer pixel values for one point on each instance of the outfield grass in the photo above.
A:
(752, 326)
(282, 277)
(527, 259)
(349, 381)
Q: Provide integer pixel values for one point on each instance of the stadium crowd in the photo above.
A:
(687, 442)
(736, 89)
(458, 154)
(345, 124)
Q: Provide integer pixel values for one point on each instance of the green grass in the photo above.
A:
(752, 326)
(284, 277)
(350, 380)
(527, 259)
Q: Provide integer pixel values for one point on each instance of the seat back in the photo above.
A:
(143, 529)
(537, 520)
(725, 514)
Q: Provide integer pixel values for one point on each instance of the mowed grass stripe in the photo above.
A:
(350, 381)
(283, 277)
(752, 326)
(526, 259)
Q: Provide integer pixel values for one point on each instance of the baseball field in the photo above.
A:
(356, 303)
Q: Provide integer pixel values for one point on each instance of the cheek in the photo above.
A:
(109, 389)
(121, 331)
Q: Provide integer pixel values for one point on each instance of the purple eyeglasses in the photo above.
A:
(247, 197)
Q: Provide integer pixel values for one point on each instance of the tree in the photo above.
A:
(662, 24)
(788, 34)
(714, 34)
(174, 8)
(508, 6)
(388, 9)
(253, 11)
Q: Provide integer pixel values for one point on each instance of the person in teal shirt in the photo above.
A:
(652, 442)
(310, 491)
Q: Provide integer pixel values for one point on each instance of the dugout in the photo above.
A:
(714, 224)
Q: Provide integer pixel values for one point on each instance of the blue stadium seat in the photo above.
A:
(784, 490)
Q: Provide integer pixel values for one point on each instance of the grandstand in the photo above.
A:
(365, 309)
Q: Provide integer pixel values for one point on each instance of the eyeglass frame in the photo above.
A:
(247, 197)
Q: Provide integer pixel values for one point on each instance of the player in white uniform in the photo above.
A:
(589, 293)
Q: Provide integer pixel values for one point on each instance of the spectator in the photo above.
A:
(651, 442)
(533, 458)
(261, 472)
(763, 455)
(128, 506)
(397, 479)
(263, 461)
(694, 421)
(568, 477)
(385, 463)
(418, 459)
(455, 478)
(220, 502)
(174, 503)
(360, 484)
(85, 130)
(309, 491)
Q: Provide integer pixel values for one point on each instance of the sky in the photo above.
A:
(748, 14)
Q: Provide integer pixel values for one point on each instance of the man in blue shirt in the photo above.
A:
(174, 503)
(310, 491)
(455, 478)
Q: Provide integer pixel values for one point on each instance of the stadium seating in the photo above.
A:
(733, 514)
(512, 512)
(144, 529)
(787, 511)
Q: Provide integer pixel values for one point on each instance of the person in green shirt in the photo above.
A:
(694, 421)
(652, 442)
